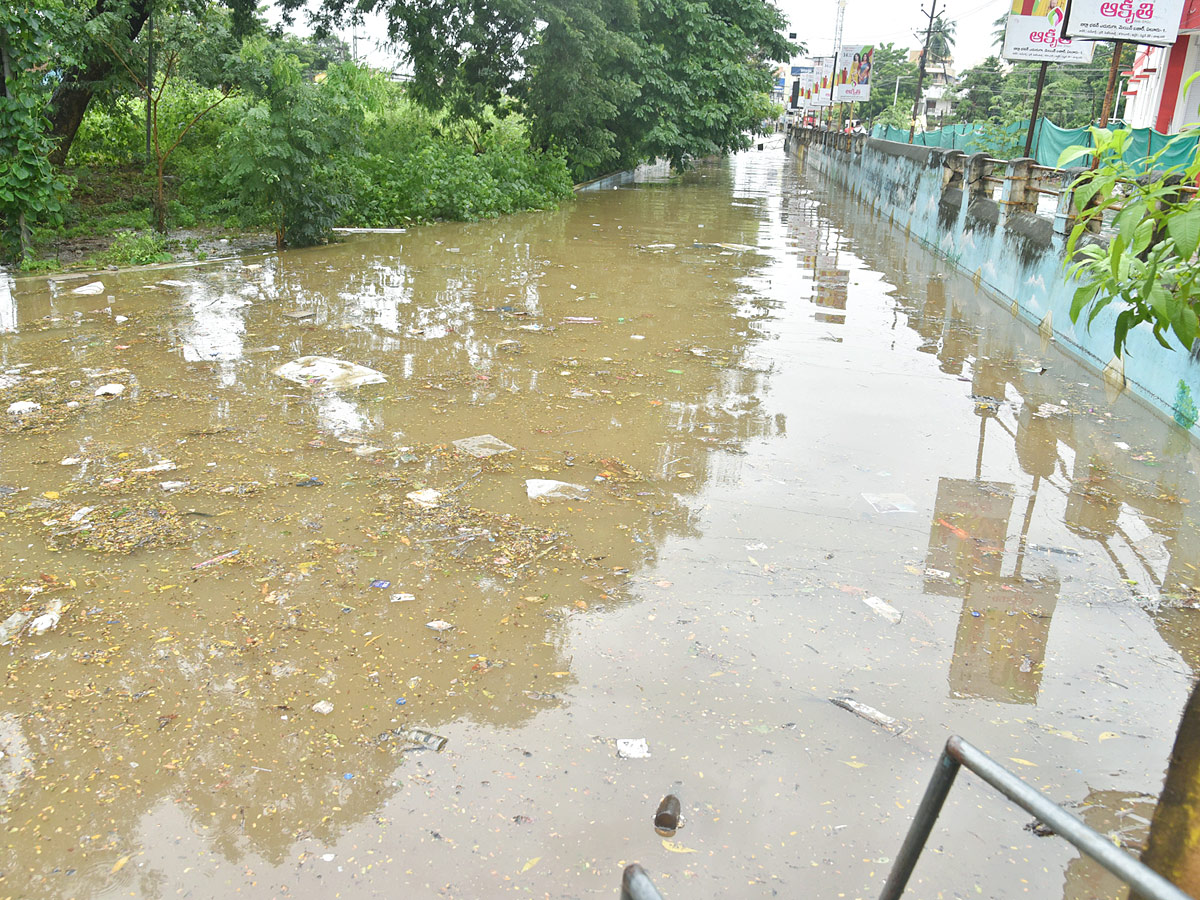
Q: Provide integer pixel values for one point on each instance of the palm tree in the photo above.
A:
(941, 42)
(998, 29)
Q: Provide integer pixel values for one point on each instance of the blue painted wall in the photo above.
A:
(1016, 255)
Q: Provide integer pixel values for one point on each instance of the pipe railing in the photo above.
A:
(957, 754)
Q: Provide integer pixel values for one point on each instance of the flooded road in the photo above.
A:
(807, 463)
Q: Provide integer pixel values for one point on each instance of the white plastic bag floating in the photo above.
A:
(548, 489)
(483, 445)
(91, 289)
(325, 372)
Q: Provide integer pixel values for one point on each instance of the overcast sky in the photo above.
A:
(895, 21)
(867, 22)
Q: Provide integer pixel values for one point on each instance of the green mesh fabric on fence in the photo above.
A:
(1049, 141)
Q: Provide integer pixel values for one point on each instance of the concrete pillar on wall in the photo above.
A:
(1018, 193)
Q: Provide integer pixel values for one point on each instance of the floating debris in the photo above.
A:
(483, 445)
(633, 748)
(425, 499)
(325, 372)
(884, 609)
(548, 489)
(870, 713)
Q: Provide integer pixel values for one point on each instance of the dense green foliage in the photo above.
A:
(606, 82)
(226, 122)
(29, 188)
(299, 153)
(1149, 264)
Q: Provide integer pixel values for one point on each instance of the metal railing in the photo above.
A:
(958, 753)
(1148, 884)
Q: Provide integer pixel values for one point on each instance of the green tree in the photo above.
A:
(29, 189)
(670, 78)
(583, 79)
(165, 138)
(706, 77)
(282, 153)
(87, 65)
(941, 42)
(981, 87)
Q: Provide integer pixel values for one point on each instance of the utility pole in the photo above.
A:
(1106, 109)
(837, 51)
(932, 14)
(1037, 103)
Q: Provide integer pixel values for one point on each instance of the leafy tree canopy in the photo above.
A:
(608, 82)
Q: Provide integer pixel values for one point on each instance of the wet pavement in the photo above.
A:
(817, 464)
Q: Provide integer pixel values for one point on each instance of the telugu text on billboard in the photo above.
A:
(1137, 21)
(1034, 32)
(852, 81)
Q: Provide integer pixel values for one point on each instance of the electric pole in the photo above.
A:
(932, 14)
(837, 51)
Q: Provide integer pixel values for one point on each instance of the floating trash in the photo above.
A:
(870, 713)
(325, 372)
(633, 748)
(483, 445)
(548, 489)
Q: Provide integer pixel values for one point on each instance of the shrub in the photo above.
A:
(136, 248)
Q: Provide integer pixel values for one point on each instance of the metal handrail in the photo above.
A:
(636, 885)
(959, 753)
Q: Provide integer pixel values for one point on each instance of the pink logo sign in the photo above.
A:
(1125, 11)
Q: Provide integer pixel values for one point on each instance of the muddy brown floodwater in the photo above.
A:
(817, 465)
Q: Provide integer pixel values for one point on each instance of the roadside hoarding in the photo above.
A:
(818, 93)
(1154, 22)
(1034, 32)
(852, 83)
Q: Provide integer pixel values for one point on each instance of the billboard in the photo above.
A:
(853, 80)
(1034, 32)
(817, 96)
(1153, 22)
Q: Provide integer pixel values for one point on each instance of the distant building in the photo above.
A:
(940, 91)
(1153, 90)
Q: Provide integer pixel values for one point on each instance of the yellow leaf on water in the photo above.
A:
(1109, 735)
(529, 865)
(675, 847)
(1022, 762)
(854, 763)
(50, 495)
(753, 560)
(1066, 734)
(559, 674)
(119, 865)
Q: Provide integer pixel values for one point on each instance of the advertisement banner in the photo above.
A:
(853, 81)
(1034, 32)
(822, 75)
(1153, 22)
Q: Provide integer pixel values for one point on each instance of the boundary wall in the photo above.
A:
(982, 215)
